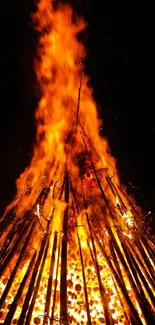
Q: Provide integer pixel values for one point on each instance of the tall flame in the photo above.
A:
(58, 71)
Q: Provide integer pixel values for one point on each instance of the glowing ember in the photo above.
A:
(72, 247)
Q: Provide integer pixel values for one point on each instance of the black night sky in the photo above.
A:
(120, 61)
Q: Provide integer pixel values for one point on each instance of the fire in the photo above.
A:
(71, 251)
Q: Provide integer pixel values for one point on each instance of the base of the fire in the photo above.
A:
(76, 259)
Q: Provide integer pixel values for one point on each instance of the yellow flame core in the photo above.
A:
(58, 71)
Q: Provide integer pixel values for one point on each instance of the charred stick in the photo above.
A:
(133, 311)
(117, 266)
(141, 282)
(62, 189)
(130, 202)
(115, 261)
(12, 276)
(32, 281)
(55, 287)
(74, 196)
(127, 317)
(144, 260)
(108, 179)
(151, 244)
(148, 244)
(79, 93)
(13, 250)
(9, 240)
(138, 268)
(115, 191)
(29, 314)
(84, 283)
(13, 307)
(98, 182)
(129, 276)
(47, 191)
(63, 277)
(108, 318)
(7, 219)
(143, 244)
(50, 280)
(149, 271)
(150, 248)
(13, 234)
(11, 237)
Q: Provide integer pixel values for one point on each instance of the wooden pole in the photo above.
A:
(130, 278)
(13, 307)
(143, 248)
(127, 317)
(152, 246)
(36, 288)
(32, 281)
(150, 276)
(7, 219)
(79, 92)
(84, 283)
(133, 311)
(140, 271)
(12, 251)
(108, 318)
(114, 190)
(11, 236)
(141, 284)
(55, 286)
(63, 277)
(13, 273)
(50, 280)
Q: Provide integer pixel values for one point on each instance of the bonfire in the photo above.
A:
(74, 248)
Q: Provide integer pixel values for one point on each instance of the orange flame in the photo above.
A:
(58, 71)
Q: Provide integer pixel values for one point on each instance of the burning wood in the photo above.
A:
(72, 248)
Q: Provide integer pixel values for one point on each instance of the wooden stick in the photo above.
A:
(13, 307)
(145, 264)
(130, 202)
(30, 310)
(115, 261)
(84, 283)
(108, 318)
(139, 276)
(63, 277)
(50, 280)
(10, 238)
(130, 278)
(143, 248)
(149, 248)
(79, 92)
(55, 287)
(115, 191)
(127, 317)
(12, 251)
(13, 274)
(32, 281)
(140, 270)
(152, 246)
(7, 219)
(133, 311)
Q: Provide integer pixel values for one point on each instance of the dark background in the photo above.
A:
(120, 61)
